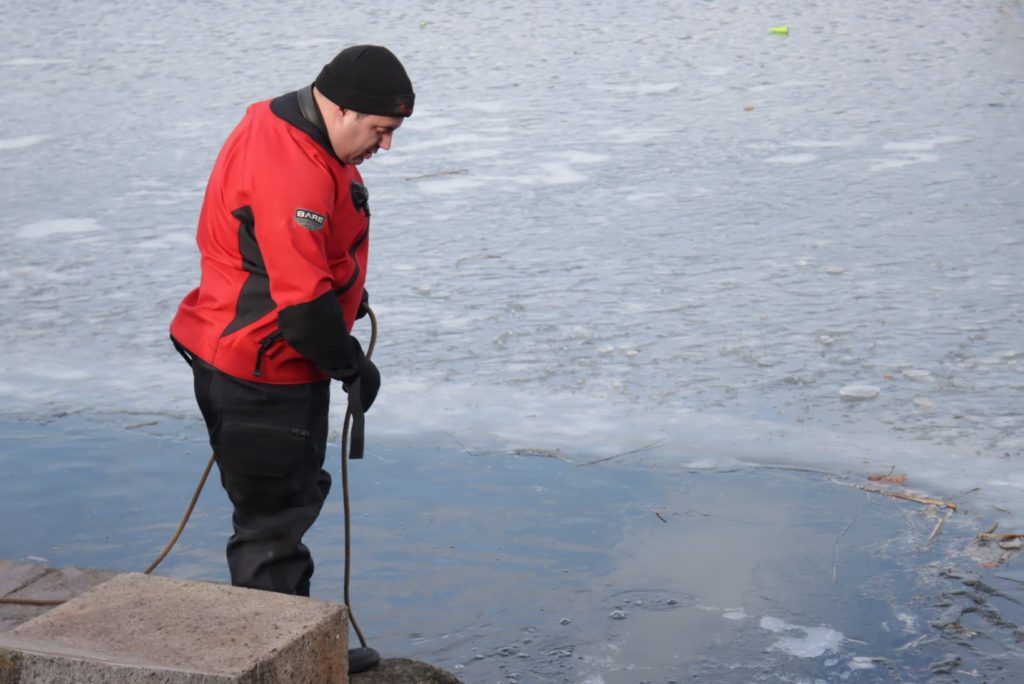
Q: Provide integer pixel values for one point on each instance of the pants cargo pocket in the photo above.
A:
(262, 457)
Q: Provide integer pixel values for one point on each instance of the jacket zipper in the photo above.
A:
(338, 291)
(265, 344)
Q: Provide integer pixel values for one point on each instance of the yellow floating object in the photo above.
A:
(781, 30)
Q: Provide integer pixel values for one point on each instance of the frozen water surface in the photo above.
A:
(583, 240)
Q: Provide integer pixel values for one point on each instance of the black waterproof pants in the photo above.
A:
(270, 442)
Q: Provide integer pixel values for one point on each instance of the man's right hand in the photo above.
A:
(369, 383)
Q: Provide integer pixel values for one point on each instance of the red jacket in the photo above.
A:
(283, 235)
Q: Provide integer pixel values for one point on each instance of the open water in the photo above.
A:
(527, 569)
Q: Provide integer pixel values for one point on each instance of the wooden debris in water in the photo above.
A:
(924, 638)
(990, 535)
(451, 172)
(908, 496)
(888, 478)
(993, 555)
(938, 526)
(535, 451)
(649, 447)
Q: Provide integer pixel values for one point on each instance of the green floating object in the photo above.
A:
(781, 30)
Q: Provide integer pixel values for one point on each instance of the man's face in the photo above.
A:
(356, 137)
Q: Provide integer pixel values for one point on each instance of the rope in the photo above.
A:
(344, 490)
(184, 519)
(32, 602)
(202, 483)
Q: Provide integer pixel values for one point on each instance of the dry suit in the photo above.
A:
(283, 236)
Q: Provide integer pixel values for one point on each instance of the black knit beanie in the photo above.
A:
(367, 79)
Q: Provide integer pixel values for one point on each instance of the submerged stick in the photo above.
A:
(649, 447)
(938, 526)
(457, 441)
(916, 642)
(452, 172)
(835, 549)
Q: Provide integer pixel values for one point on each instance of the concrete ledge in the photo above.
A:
(138, 627)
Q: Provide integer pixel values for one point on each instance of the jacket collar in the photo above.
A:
(299, 109)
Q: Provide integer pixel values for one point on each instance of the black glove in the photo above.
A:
(369, 383)
(365, 383)
(363, 305)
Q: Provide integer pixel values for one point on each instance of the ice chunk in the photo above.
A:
(804, 158)
(557, 173)
(576, 157)
(859, 392)
(908, 620)
(23, 141)
(816, 641)
(50, 227)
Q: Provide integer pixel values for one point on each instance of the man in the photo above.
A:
(283, 236)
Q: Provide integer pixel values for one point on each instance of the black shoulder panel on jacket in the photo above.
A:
(254, 301)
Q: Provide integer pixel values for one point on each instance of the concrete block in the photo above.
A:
(159, 630)
(49, 583)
